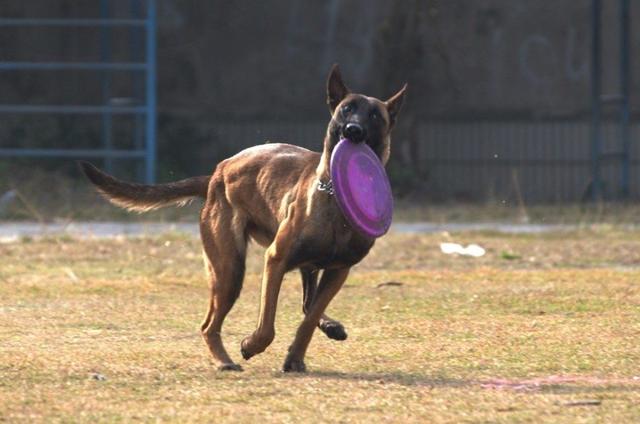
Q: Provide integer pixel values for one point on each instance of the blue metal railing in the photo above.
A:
(76, 153)
(82, 66)
(19, 22)
(80, 110)
(622, 154)
(144, 67)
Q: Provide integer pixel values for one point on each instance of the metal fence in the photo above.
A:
(546, 161)
(143, 100)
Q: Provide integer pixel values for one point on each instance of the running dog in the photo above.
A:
(278, 195)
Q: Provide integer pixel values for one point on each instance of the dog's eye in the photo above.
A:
(374, 115)
(348, 108)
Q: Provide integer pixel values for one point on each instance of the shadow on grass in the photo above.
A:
(405, 379)
(566, 389)
(572, 386)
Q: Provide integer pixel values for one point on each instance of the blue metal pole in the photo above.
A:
(136, 54)
(625, 85)
(596, 90)
(105, 56)
(151, 93)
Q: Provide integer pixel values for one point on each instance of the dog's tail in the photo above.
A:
(142, 197)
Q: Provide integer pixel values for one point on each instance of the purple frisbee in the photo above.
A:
(362, 188)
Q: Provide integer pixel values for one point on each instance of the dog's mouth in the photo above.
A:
(357, 141)
(354, 132)
(340, 134)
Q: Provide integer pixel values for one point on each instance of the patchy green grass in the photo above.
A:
(542, 329)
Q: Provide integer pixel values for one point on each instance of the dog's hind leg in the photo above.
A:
(332, 328)
(225, 255)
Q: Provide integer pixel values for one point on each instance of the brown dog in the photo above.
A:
(276, 195)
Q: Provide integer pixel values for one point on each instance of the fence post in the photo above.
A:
(596, 89)
(625, 86)
(150, 156)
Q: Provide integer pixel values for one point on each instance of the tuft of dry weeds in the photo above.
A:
(107, 330)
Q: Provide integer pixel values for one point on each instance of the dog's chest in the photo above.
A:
(335, 245)
(350, 247)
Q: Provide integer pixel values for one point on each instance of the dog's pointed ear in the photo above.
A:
(336, 89)
(394, 104)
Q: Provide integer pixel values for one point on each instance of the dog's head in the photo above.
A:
(360, 118)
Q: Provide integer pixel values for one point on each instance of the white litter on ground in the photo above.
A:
(472, 250)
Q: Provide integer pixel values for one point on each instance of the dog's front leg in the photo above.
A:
(274, 270)
(329, 326)
(330, 284)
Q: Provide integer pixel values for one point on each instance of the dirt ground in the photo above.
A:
(543, 328)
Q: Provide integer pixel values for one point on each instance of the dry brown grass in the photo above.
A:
(460, 340)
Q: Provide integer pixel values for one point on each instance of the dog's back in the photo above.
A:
(241, 176)
(258, 180)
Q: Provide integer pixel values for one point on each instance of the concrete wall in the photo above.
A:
(247, 64)
(247, 59)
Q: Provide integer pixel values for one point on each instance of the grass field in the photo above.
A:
(544, 328)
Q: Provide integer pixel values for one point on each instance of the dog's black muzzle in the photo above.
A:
(354, 132)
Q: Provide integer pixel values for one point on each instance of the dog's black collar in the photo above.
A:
(326, 187)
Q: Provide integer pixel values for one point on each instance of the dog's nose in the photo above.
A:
(353, 132)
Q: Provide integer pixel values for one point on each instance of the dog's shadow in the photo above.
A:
(434, 382)
(401, 378)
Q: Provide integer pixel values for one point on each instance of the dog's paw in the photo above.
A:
(246, 354)
(333, 329)
(255, 343)
(230, 367)
(293, 365)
